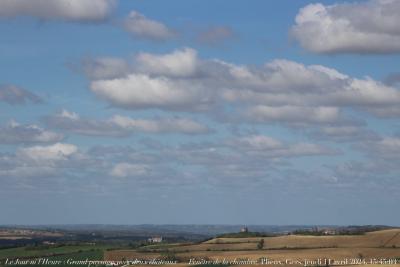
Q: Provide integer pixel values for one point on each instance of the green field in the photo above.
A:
(60, 253)
(32, 252)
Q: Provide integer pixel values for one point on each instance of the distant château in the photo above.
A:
(244, 230)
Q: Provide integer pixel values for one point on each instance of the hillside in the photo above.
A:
(379, 244)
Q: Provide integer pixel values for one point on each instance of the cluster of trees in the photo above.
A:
(348, 230)
(260, 244)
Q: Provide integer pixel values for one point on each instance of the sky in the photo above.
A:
(199, 112)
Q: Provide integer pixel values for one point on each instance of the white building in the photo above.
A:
(155, 239)
(244, 230)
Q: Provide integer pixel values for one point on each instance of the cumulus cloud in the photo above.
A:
(15, 133)
(364, 27)
(119, 125)
(157, 81)
(66, 10)
(55, 162)
(144, 91)
(14, 95)
(179, 63)
(280, 90)
(142, 27)
(293, 114)
(283, 82)
(55, 152)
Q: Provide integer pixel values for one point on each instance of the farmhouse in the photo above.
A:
(329, 232)
(326, 231)
(155, 239)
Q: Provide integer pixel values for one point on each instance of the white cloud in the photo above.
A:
(293, 114)
(280, 89)
(68, 115)
(284, 82)
(129, 170)
(365, 27)
(289, 75)
(68, 10)
(15, 133)
(179, 63)
(56, 152)
(145, 91)
(143, 27)
(155, 81)
(366, 92)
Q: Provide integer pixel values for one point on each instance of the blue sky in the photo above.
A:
(129, 112)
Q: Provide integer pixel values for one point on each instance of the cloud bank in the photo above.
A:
(367, 27)
(279, 91)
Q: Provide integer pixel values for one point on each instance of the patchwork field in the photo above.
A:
(11, 234)
(293, 250)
